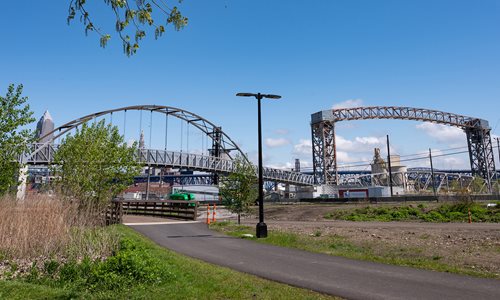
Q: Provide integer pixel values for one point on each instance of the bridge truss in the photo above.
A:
(324, 150)
(413, 180)
(218, 162)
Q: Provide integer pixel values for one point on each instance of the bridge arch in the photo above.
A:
(324, 150)
(221, 142)
(42, 153)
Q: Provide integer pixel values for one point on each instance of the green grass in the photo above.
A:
(340, 246)
(458, 212)
(144, 270)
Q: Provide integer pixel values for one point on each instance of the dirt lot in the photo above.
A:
(471, 246)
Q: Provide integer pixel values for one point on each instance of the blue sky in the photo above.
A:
(438, 54)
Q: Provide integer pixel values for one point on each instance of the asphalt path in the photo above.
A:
(350, 279)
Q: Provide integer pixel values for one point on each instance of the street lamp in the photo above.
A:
(261, 226)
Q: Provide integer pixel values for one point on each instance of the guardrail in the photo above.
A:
(179, 209)
(403, 199)
(43, 154)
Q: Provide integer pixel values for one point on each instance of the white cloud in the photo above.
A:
(359, 144)
(279, 142)
(452, 136)
(291, 165)
(281, 131)
(304, 147)
(283, 166)
(348, 104)
(348, 151)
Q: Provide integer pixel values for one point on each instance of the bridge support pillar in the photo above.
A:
(324, 152)
(216, 150)
(481, 154)
(23, 178)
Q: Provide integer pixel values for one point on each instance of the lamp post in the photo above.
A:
(261, 226)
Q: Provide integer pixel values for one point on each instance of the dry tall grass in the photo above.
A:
(50, 226)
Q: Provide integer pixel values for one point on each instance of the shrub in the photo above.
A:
(131, 266)
(457, 212)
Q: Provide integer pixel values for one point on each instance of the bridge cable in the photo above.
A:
(140, 125)
(150, 128)
(187, 138)
(166, 129)
(125, 126)
(182, 130)
(202, 144)
(111, 119)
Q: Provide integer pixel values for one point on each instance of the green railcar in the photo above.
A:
(183, 196)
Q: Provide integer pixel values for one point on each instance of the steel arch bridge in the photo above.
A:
(324, 149)
(413, 179)
(218, 162)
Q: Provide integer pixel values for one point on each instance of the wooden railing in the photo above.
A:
(179, 209)
(114, 213)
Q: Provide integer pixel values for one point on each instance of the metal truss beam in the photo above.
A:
(419, 179)
(323, 140)
(481, 154)
(183, 160)
(219, 138)
(324, 153)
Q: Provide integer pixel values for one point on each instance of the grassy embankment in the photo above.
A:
(49, 250)
(457, 212)
(337, 245)
(141, 269)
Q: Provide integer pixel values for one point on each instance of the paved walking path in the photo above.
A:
(337, 276)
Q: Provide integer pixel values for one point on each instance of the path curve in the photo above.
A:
(347, 278)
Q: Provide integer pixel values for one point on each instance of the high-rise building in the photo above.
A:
(141, 140)
(44, 126)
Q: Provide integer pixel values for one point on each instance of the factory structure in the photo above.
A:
(379, 185)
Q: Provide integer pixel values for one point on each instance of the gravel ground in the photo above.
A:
(473, 246)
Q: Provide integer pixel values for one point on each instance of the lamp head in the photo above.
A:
(246, 95)
(271, 96)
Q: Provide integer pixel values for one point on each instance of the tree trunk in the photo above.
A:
(238, 219)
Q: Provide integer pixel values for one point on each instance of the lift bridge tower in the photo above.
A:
(477, 131)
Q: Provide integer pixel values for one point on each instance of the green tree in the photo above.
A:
(95, 164)
(477, 185)
(14, 139)
(239, 189)
(132, 20)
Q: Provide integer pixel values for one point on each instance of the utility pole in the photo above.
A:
(389, 163)
(498, 179)
(432, 174)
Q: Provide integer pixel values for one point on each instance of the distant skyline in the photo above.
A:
(440, 54)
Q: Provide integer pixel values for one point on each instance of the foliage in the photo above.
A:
(448, 212)
(477, 185)
(130, 20)
(238, 189)
(144, 270)
(14, 114)
(95, 164)
(50, 226)
(130, 266)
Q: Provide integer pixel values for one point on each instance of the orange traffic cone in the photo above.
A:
(208, 214)
(213, 215)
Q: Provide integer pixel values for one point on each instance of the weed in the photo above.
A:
(457, 212)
